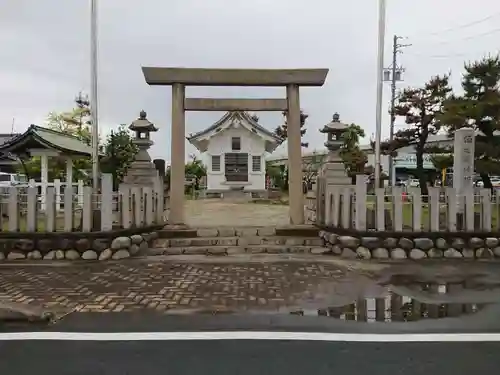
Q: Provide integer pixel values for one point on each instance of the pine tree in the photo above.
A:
(282, 131)
(479, 108)
(422, 108)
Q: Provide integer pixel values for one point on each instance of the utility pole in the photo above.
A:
(380, 86)
(393, 74)
(93, 95)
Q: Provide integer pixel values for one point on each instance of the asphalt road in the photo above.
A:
(246, 357)
(151, 344)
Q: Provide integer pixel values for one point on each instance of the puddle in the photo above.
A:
(412, 302)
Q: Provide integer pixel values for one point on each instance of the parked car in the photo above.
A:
(495, 182)
(414, 182)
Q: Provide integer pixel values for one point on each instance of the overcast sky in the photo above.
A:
(44, 54)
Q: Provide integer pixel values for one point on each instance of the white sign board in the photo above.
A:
(463, 164)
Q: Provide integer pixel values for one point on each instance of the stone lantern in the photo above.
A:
(333, 168)
(142, 170)
(334, 131)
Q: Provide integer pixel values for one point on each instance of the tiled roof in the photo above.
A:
(242, 115)
(47, 138)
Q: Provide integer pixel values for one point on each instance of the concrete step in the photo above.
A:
(232, 250)
(237, 241)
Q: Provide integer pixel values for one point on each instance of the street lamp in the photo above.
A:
(93, 95)
(380, 80)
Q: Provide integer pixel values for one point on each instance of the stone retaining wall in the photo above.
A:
(413, 245)
(118, 244)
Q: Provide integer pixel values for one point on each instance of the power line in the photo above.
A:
(469, 37)
(463, 26)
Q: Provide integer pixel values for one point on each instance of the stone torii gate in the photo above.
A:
(179, 78)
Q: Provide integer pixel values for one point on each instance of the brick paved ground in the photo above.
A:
(138, 285)
(218, 212)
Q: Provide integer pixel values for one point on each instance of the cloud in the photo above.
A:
(44, 60)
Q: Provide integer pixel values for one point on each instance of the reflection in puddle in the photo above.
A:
(398, 308)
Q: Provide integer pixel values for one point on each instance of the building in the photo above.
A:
(404, 163)
(234, 150)
(8, 162)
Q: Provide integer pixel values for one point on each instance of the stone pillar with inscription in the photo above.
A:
(463, 169)
(463, 164)
(142, 171)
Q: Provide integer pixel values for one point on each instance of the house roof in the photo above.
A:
(234, 115)
(227, 120)
(37, 136)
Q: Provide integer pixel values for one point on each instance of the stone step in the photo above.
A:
(231, 250)
(238, 241)
(290, 231)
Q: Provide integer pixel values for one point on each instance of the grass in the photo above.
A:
(41, 223)
(407, 214)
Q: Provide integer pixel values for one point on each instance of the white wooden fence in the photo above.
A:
(130, 206)
(351, 207)
(58, 186)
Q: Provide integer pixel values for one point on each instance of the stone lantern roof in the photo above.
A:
(143, 124)
(335, 125)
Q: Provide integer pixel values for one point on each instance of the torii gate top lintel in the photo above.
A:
(234, 77)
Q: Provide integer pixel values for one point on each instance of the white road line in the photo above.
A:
(249, 335)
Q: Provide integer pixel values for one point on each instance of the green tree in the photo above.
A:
(479, 108)
(195, 169)
(119, 153)
(422, 108)
(275, 174)
(311, 165)
(282, 131)
(352, 156)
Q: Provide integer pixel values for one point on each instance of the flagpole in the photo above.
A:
(93, 95)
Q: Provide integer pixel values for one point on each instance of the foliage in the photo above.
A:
(118, 148)
(282, 131)
(479, 108)
(422, 108)
(352, 156)
(119, 153)
(195, 169)
(311, 165)
(278, 175)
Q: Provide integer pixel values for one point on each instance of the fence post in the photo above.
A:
(452, 206)
(31, 214)
(346, 207)
(360, 223)
(80, 192)
(13, 209)
(148, 205)
(469, 209)
(50, 210)
(160, 201)
(434, 193)
(57, 188)
(68, 208)
(380, 209)
(86, 194)
(106, 202)
(486, 209)
(137, 205)
(124, 191)
(397, 207)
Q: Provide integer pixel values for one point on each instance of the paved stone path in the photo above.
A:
(218, 212)
(161, 286)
